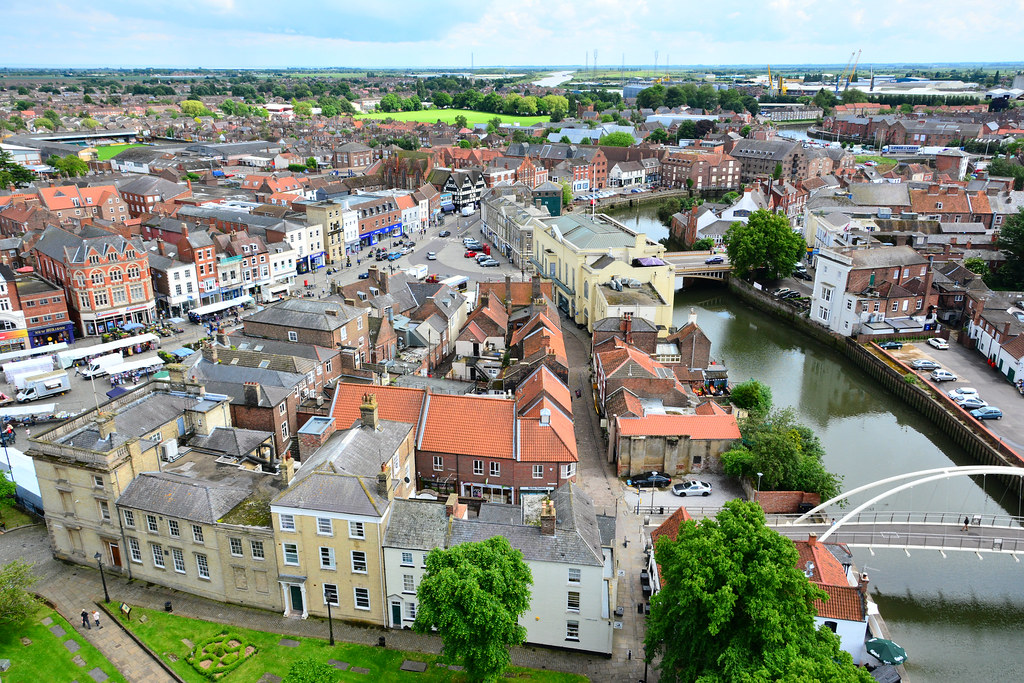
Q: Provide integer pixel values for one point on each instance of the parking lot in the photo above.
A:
(972, 371)
(723, 489)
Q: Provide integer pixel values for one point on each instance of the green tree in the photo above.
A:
(442, 100)
(461, 122)
(44, 123)
(976, 265)
(745, 131)
(8, 491)
(554, 105)
(310, 670)
(752, 396)
(193, 108)
(651, 98)
(659, 136)
(192, 176)
(389, 103)
(1003, 168)
(777, 173)
(566, 194)
(70, 166)
(474, 594)
(617, 139)
(687, 130)
(86, 99)
(1011, 242)
(766, 243)
(53, 116)
(13, 173)
(565, 140)
(854, 96)
(494, 124)
(90, 123)
(465, 144)
(825, 99)
(312, 164)
(734, 606)
(16, 603)
(303, 109)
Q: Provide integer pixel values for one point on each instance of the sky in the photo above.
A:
(445, 33)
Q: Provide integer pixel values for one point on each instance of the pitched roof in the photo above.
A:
(401, 404)
(554, 442)
(541, 383)
(184, 497)
(469, 425)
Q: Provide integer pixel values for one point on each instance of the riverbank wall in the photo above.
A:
(981, 445)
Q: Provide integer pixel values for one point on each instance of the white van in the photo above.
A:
(100, 365)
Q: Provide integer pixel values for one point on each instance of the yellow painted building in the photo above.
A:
(582, 254)
(329, 523)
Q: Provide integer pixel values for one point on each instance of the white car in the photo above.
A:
(938, 343)
(692, 487)
(431, 256)
(962, 393)
(943, 376)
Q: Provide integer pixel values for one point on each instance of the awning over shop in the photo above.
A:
(182, 352)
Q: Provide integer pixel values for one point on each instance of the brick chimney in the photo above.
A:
(210, 352)
(508, 294)
(175, 373)
(628, 325)
(287, 469)
(382, 484)
(933, 189)
(812, 540)
(105, 421)
(368, 411)
(184, 230)
(535, 288)
(252, 393)
(547, 518)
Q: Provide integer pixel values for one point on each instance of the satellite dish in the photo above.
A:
(407, 480)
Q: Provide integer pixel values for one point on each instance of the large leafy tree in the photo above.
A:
(1011, 242)
(753, 396)
(16, 603)
(766, 243)
(735, 607)
(70, 166)
(617, 139)
(474, 594)
(13, 173)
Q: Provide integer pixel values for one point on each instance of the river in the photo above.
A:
(959, 618)
(554, 80)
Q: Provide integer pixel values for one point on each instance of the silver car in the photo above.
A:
(692, 487)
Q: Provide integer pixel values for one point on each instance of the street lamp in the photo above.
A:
(103, 578)
(331, 594)
(759, 475)
(654, 486)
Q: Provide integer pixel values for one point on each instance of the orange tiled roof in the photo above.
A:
(827, 569)
(540, 319)
(710, 408)
(522, 292)
(693, 426)
(844, 602)
(542, 382)
(553, 443)
(399, 404)
(470, 425)
(670, 527)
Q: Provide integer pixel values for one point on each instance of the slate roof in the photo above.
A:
(416, 525)
(174, 495)
(231, 440)
(308, 315)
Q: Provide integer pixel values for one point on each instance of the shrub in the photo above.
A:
(223, 657)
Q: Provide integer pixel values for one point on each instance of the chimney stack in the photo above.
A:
(692, 318)
(382, 484)
(252, 393)
(508, 294)
(287, 469)
(862, 584)
(368, 411)
(547, 518)
(535, 288)
(175, 373)
(451, 504)
(105, 421)
(812, 540)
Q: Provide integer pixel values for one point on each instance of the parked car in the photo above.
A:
(650, 479)
(987, 413)
(489, 263)
(924, 364)
(781, 290)
(972, 403)
(431, 256)
(939, 343)
(470, 254)
(891, 345)
(714, 259)
(482, 257)
(791, 294)
(962, 393)
(445, 233)
(692, 487)
(394, 256)
(802, 275)
(364, 276)
(941, 375)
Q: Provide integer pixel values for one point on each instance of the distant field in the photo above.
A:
(448, 116)
(111, 151)
(884, 163)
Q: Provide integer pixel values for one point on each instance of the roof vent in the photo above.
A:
(545, 417)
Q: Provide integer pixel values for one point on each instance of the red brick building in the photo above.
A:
(105, 277)
(46, 312)
(72, 203)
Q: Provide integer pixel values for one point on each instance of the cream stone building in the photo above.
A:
(600, 268)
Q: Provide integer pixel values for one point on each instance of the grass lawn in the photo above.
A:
(111, 151)
(46, 659)
(448, 116)
(13, 518)
(164, 632)
(884, 163)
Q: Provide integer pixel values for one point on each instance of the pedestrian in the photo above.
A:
(96, 618)
(967, 521)
(833, 521)
(85, 620)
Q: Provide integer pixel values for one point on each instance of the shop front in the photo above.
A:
(111, 321)
(368, 239)
(311, 263)
(489, 492)
(13, 340)
(52, 334)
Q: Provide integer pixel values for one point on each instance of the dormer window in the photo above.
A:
(938, 205)
(88, 200)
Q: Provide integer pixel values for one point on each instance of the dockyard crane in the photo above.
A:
(853, 71)
(771, 84)
(842, 76)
